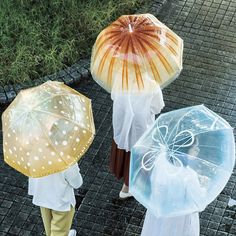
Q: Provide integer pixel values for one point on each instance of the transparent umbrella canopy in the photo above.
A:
(46, 129)
(133, 50)
(182, 162)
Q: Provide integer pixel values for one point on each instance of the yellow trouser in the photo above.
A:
(57, 223)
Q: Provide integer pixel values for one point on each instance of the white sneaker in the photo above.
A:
(124, 195)
(72, 232)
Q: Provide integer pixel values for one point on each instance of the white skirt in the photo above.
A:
(187, 225)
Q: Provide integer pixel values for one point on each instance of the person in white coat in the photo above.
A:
(182, 225)
(132, 114)
(54, 194)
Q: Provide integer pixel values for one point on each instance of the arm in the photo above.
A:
(73, 176)
(157, 102)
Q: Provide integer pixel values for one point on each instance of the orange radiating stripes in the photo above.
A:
(172, 38)
(138, 74)
(110, 71)
(138, 44)
(125, 76)
(150, 62)
(101, 44)
(155, 49)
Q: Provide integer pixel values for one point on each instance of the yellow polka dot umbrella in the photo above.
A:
(134, 50)
(46, 129)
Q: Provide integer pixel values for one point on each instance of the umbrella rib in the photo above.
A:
(59, 116)
(125, 67)
(102, 43)
(152, 65)
(202, 160)
(110, 70)
(136, 68)
(177, 124)
(163, 60)
(40, 125)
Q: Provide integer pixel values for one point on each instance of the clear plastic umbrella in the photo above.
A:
(182, 162)
(134, 50)
(46, 129)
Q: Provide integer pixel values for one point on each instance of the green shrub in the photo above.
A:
(38, 38)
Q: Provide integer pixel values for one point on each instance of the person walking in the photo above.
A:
(132, 114)
(54, 194)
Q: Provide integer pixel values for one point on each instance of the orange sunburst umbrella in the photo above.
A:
(134, 50)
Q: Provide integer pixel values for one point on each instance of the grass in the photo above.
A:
(38, 38)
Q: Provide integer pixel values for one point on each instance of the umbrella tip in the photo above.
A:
(130, 29)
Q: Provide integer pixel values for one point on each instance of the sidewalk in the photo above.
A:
(209, 77)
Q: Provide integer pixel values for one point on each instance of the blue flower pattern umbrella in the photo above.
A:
(182, 162)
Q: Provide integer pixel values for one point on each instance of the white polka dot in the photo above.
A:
(83, 100)
(20, 148)
(49, 162)
(62, 112)
(27, 142)
(44, 157)
(27, 153)
(88, 125)
(16, 138)
(82, 124)
(74, 149)
(40, 150)
(68, 157)
(7, 157)
(49, 133)
(56, 123)
(66, 122)
(18, 163)
(5, 123)
(55, 107)
(36, 158)
(47, 144)
(34, 170)
(76, 128)
(37, 138)
(53, 153)
(60, 102)
(10, 150)
(70, 137)
(5, 143)
(64, 132)
(22, 158)
(64, 143)
(28, 164)
(14, 148)
(77, 140)
(13, 131)
(87, 117)
(8, 135)
(56, 143)
(84, 109)
(61, 153)
(84, 131)
(59, 160)
(43, 167)
(25, 167)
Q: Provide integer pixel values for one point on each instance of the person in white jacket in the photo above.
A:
(132, 114)
(54, 194)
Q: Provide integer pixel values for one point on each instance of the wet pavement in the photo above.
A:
(209, 77)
